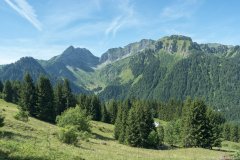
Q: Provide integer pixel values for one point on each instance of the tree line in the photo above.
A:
(189, 124)
(44, 101)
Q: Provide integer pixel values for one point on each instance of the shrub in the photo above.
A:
(74, 117)
(22, 116)
(68, 135)
(84, 136)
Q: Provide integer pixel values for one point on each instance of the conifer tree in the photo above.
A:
(118, 123)
(16, 89)
(234, 135)
(105, 115)
(197, 131)
(122, 134)
(226, 131)
(113, 109)
(132, 131)
(95, 108)
(45, 101)
(67, 94)
(215, 122)
(7, 91)
(186, 123)
(28, 95)
(58, 99)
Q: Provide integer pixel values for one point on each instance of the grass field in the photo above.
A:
(37, 140)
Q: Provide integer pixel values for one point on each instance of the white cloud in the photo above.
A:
(126, 17)
(180, 9)
(26, 11)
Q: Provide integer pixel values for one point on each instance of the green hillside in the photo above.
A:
(37, 140)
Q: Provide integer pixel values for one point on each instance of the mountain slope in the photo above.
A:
(171, 67)
(16, 71)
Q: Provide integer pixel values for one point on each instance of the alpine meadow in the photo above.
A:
(170, 91)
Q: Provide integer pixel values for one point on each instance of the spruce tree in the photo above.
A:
(28, 97)
(16, 91)
(58, 99)
(122, 135)
(215, 122)
(186, 123)
(118, 123)
(132, 130)
(7, 91)
(234, 135)
(105, 115)
(45, 100)
(113, 109)
(67, 94)
(226, 131)
(95, 108)
(197, 129)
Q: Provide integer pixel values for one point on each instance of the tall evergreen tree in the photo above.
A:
(118, 123)
(45, 101)
(105, 115)
(113, 109)
(226, 131)
(125, 107)
(132, 131)
(60, 103)
(16, 89)
(28, 97)
(186, 123)
(67, 94)
(215, 121)
(234, 135)
(7, 91)
(139, 125)
(198, 134)
(95, 108)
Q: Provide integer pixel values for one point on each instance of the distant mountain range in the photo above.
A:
(172, 67)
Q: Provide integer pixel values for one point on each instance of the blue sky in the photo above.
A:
(44, 28)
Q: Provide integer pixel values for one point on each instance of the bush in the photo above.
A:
(74, 117)
(1, 120)
(68, 135)
(22, 116)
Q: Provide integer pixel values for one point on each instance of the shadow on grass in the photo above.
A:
(102, 137)
(223, 150)
(5, 156)
(10, 135)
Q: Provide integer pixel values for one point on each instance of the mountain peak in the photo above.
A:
(114, 54)
(179, 37)
(76, 57)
